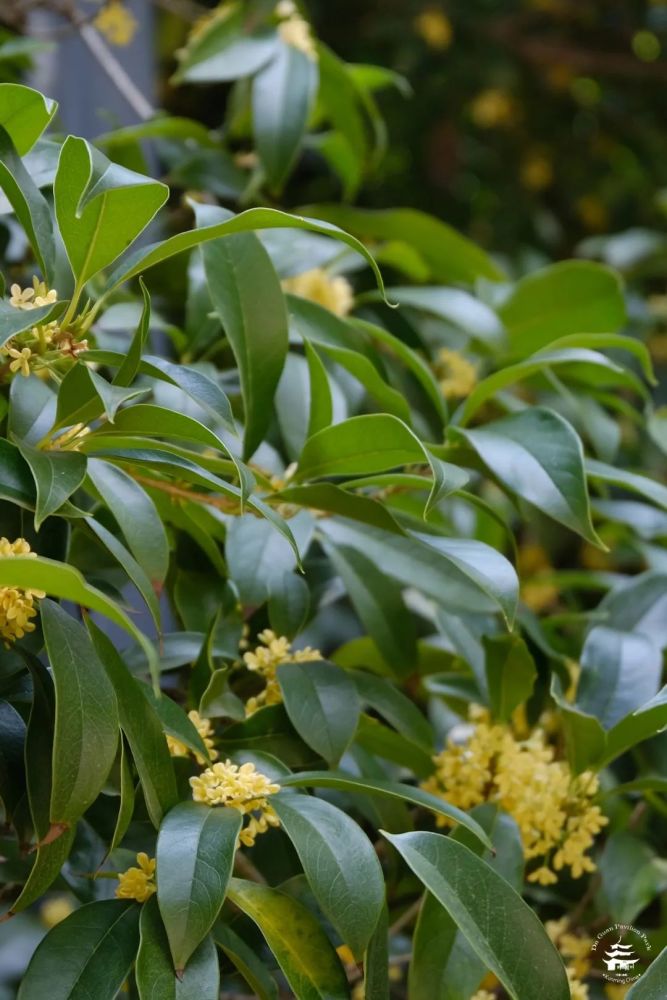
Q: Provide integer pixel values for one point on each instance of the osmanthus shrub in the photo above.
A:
(331, 631)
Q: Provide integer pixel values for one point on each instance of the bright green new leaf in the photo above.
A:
(24, 114)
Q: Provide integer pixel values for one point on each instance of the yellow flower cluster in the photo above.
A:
(294, 30)
(205, 730)
(457, 376)
(576, 952)
(553, 808)
(243, 788)
(32, 298)
(266, 658)
(17, 606)
(138, 883)
(332, 292)
(117, 23)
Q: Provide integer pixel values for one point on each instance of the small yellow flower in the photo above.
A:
(493, 108)
(17, 605)
(457, 376)
(54, 910)
(265, 659)
(296, 31)
(117, 23)
(138, 883)
(205, 730)
(21, 360)
(483, 995)
(537, 172)
(334, 293)
(592, 212)
(32, 298)
(243, 788)
(435, 28)
(533, 564)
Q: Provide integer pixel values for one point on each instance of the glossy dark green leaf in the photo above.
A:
(130, 565)
(296, 938)
(154, 972)
(137, 516)
(142, 728)
(651, 986)
(247, 298)
(84, 395)
(130, 366)
(289, 602)
(32, 407)
(537, 455)
(340, 864)
(483, 905)
(649, 488)
(29, 204)
(86, 724)
(510, 674)
(322, 704)
(88, 954)
(620, 671)
(14, 321)
(12, 775)
(402, 713)
(246, 961)
(376, 961)
(195, 853)
(379, 603)
(391, 789)
(639, 604)
(57, 475)
(585, 739)
(282, 96)
(126, 800)
(321, 405)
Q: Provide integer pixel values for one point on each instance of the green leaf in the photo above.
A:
(642, 724)
(581, 362)
(538, 455)
(510, 674)
(296, 938)
(142, 728)
(376, 961)
(195, 854)
(86, 723)
(450, 257)
(322, 704)
(585, 739)
(137, 516)
(226, 50)
(391, 789)
(563, 299)
(131, 567)
(32, 407)
(619, 672)
(639, 605)
(84, 395)
(321, 404)
(340, 864)
(87, 954)
(57, 475)
(455, 306)
(12, 776)
(282, 96)
(326, 496)
(29, 204)
(483, 905)
(126, 800)
(289, 603)
(246, 961)
(379, 603)
(249, 302)
(101, 207)
(14, 321)
(651, 986)
(24, 114)
(398, 710)
(649, 488)
(66, 582)
(48, 863)
(155, 973)
(339, 97)
(130, 366)
(257, 556)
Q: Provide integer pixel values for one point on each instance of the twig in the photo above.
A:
(222, 503)
(116, 72)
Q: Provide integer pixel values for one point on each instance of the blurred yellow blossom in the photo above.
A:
(54, 910)
(552, 807)
(493, 108)
(331, 291)
(243, 788)
(17, 605)
(536, 172)
(456, 375)
(295, 30)
(138, 883)
(533, 565)
(592, 212)
(205, 730)
(433, 25)
(117, 23)
(264, 660)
